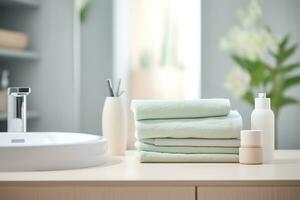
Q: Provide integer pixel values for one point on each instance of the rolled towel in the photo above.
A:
(192, 142)
(213, 127)
(151, 157)
(159, 109)
(188, 150)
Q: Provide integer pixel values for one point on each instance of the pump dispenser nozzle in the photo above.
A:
(262, 95)
(262, 102)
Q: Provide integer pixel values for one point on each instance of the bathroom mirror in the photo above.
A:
(161, 49)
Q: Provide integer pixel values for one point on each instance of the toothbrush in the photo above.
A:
(110, 90)
(117, 92)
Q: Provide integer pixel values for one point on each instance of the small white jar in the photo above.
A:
(251, 150)
(251, 138)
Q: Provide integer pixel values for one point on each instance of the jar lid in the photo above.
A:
(251, 138)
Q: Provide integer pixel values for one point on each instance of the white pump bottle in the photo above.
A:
(262, 118)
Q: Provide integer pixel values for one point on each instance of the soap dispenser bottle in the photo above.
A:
(262, 118)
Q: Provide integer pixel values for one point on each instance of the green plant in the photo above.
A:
(262, 60)
(82, 7)
(275, 80)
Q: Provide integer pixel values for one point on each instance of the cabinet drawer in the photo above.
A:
(97, 193)
(248, 193)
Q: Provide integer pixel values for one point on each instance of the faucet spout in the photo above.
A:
(16, 115)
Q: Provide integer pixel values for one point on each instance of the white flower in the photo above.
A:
(252, 16)
(250, 39)
(237, 81)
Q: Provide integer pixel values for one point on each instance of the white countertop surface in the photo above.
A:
(286, 167)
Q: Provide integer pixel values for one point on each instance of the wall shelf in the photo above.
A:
(30, 115)
(10, 54)
(16, 3)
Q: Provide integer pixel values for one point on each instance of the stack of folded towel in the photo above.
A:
(203, 130)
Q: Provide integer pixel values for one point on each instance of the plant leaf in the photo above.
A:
(289, 67)
(292, 81)
(287, 101)
(273, 54)
(284, 41)
(260, 74)
(286, 53)
(258, 70)
(244, 63)
(249, 97)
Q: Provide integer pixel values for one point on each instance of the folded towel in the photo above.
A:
(150, 157)
(159, 109)
(213, 127)
(192, 150)
(192, 142)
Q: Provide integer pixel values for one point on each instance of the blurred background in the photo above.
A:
(161, 49)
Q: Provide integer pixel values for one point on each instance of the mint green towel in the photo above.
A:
(160, 109)
(192, 150)
(192, 142)
(154, 157)
(212, 127)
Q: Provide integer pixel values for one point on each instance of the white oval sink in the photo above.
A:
(37, 151)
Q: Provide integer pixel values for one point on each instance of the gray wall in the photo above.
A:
(217, 17)
(50, 29)
(96, 63)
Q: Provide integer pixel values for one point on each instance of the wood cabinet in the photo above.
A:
(248, 193)
(203, 192)
(97, 193)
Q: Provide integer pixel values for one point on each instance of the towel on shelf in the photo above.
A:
(193, 142)
(159, 109)
(187, 149)
(212, 127)
(151, 157)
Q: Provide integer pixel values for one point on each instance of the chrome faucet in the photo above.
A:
(16, 115)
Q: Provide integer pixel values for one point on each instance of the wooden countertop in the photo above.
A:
(286, 167)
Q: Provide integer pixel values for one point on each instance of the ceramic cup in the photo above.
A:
(113, 125)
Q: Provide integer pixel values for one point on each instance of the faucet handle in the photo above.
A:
(18, 91)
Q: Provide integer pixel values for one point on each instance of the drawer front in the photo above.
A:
(97, 193)
(248, 193)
